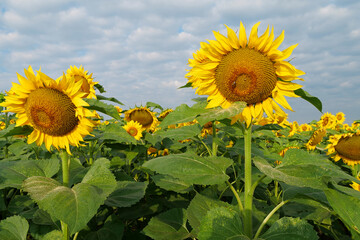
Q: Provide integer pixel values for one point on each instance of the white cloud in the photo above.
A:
(139, 49)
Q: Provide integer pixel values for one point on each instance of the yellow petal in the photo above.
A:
(253, 39)
(281, 100)
(287, 52)
(233, 39)
(242, 36)
(223, 41)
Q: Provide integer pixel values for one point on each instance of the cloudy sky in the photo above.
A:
(139, 49)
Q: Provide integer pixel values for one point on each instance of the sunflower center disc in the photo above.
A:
(245, 75)
(349, 147)
(133, 131)
(51, 111)
(143, 117)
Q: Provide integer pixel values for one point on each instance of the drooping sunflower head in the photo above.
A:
(54, 109)
(144, 116)
(253, 70)
(80, 75)
(346, 147)
(134, 129)
(316, 138)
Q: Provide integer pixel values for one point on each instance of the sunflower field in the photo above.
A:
(75, 164)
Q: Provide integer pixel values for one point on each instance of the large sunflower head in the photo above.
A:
(235, 68)
(346, 147)
(144, 116)
(80, 75)
(54, 109)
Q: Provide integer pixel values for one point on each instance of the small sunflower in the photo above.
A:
(282, 152)
(327, 121)
(54, 109)
(134, 129)
(79, 74)
(233, 68)
(144, 116)
(316, 138)
(119, 110)
(305, 127)
(340, 117)
(346, 147)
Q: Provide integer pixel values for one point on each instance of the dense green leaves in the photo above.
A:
(191, 168)
(180, 133)
(13, 228)
(77, 205)
(299, 168)
(168, 225)
(117, 133)
(108, 109)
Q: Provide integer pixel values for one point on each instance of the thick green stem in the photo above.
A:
(65, 172)
(268, 217)
(248, 182)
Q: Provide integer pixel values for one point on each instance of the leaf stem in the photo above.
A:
(268, 217)
(241, 208)
(248, 183)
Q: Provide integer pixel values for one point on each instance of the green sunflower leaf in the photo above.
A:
(154, 106)
(179, 133)
(100, 88)
(170, 183)
(290, 229)
(111, 99)
(187, 85)
(168, 225)
(311, 99)
(13, 173)
(14, 228)
(191, 168)
(13, 131)
(199, 207)
(221, 224)
(127, 193)
(117, 133)
(77, 205)
(108, 109)
(347, 208)
(221, 113)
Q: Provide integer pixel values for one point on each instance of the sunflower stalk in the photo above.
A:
(248, 183)
(214, 144)
(66, 174)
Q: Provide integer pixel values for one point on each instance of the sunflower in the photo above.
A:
(233, 68)
(282, 152)
(165, 113)
(316, 138)
(346, 147)
(134, 129)
(79, 74)
(355, 185)
(340, 117)
(144, 116)
(327, 121)
(54, 109)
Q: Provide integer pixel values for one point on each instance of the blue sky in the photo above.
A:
(139, 49)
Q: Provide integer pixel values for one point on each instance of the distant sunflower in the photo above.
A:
(54, 109)
(165, 113)
(316, 138)
(86, 79)
(327, 121)
(355, 185)
(134, 129)
(144, 116)
(340, 117)
(233, 68)
(346, 147)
